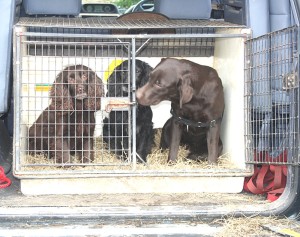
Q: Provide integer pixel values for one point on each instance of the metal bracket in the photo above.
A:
(290, 81)
(115, 103)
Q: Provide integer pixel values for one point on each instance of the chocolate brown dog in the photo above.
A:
(197, 101)
(67, 125)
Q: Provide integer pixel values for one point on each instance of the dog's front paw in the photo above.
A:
(212, 161)
(171, 162)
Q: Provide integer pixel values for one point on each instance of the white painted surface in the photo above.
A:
(229, 62)
(132, 185)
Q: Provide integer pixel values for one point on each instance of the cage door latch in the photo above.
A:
(290, 81)
(115, 103)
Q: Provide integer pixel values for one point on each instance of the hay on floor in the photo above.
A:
(106, 160)
(252, 226)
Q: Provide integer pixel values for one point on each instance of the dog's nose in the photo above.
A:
(80, 92)
(80, 89)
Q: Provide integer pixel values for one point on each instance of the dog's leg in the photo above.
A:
(141, 149)
(176, 132)
(213, 137)
(166, 135)
(144, 141)
(88, 150)
(92, 152)
(60, 144)
(59, 150)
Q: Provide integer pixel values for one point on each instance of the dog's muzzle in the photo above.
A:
(81, 96)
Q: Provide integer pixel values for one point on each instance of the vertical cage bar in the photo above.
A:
(133, 108)
(17, 84)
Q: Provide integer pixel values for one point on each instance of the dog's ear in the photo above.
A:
(144, 75)
(95, 92)
(185, 90)
(61, 100)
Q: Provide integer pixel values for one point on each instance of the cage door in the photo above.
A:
(272, 98)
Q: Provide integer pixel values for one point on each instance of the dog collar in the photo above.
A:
(188, 122)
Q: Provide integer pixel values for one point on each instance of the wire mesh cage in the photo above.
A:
(75, 108)
(59, 104)
(272, 98)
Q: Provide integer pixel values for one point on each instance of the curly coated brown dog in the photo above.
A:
(197, 102)
(67, 125)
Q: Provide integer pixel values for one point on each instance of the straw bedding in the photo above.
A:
(156, 160)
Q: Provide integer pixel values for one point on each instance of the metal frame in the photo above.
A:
(86, 39)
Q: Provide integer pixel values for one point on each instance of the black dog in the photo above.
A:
(115, 129)
(67, 125)
(195, 142)
(197, 97)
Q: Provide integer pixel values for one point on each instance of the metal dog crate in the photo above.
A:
(44, 46)
(272, 98)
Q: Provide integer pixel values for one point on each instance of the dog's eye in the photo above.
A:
(71, 78)
(157, 83)
(84, 77)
